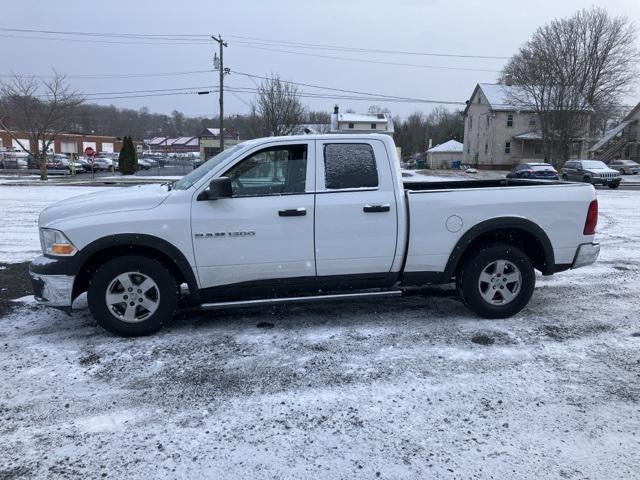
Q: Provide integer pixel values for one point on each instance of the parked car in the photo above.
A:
(143, 164)
(102, 164)
(539, 171)
(60, 163)
(625, 167)
(307, 218)
(594, 172)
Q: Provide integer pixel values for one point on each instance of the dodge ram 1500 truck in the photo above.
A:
(307, 218)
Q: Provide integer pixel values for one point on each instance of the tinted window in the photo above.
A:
(542, 168)
(349, 165)
(272, 171)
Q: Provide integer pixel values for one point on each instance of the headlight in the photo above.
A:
(54, 242)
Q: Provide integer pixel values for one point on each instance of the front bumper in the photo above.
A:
(52, 285)
(586, 255)
(606, 181)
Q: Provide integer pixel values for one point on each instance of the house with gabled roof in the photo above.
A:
(501, 128)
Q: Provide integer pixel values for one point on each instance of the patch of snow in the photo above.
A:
(26, 299)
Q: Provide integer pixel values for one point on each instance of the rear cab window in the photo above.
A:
(349, 166)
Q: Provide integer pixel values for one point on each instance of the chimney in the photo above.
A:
(508, 80)
(336, 109)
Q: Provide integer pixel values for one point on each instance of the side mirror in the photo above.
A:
(218, 188)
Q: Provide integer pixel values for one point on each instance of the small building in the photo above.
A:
(172, 145)
(622, 141)
(209, 142)
(446, 155)
(360, 122)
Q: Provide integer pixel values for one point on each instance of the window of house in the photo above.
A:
(351, 125)
(373, 126)
(349, 165)
(475, 157)
(488, 120)
(507, 147)
(532, 120)
(479, 99)
(271, 171)
(537, 149)
(486, 148)
(469, 148)
(470, 123)
(510, 120)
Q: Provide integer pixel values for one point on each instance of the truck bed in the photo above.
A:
(458, 184)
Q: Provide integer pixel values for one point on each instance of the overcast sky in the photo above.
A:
(481, 28)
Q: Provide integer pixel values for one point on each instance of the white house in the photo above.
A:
(360, 122)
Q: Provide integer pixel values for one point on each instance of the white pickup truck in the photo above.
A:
(307, 218)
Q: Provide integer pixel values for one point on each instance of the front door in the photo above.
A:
(265, 231)
(356, 217)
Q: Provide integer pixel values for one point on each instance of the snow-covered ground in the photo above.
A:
(414, 387)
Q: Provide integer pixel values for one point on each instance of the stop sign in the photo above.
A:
(89, 152)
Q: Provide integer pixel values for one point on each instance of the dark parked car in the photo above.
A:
(537, 171)
(594, 172)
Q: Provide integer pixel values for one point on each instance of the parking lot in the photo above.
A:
(414, 387)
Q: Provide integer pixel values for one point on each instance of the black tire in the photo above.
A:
(166, 298)
(564, 177)
(622, 172)
(468, 279)
(586, 179)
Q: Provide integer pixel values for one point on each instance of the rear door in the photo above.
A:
(356, 214)
(265, 231)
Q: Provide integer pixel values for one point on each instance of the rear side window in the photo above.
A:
(349, 165)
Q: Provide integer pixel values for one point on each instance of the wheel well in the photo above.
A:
(524, 240)
(100, 257)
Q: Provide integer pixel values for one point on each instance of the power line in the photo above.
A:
(362, 60)
(359, 49)
(197, 39)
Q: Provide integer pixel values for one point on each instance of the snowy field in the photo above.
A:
(414, 387)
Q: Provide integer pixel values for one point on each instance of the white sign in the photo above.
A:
(107, 147)
(86, 145)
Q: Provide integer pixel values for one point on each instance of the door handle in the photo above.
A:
(293, 212)
(376, 208)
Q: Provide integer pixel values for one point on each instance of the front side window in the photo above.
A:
(532, 120)
(349, 165)
(510, 120)
(373, 126)
(271, 171)
(507, 147)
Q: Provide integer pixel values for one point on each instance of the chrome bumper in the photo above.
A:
(586, 255)
(53, 290)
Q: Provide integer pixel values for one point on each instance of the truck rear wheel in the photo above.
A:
(132, 295)
(497, 281)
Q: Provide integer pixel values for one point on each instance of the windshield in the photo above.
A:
(191, 178)
(543, 168)
(593, 164)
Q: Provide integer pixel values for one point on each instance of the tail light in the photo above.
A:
(592, 218)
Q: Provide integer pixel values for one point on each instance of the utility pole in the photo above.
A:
(221, 69)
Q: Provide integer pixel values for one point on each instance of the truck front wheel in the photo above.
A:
(132, 295)
(497, 281)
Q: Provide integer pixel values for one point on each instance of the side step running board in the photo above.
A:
(314, 298)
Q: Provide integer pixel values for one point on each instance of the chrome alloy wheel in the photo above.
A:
(500, 282)
(132, 297)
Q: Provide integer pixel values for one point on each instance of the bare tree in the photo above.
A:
(277, 109)
(571, 68)
(43, 108)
